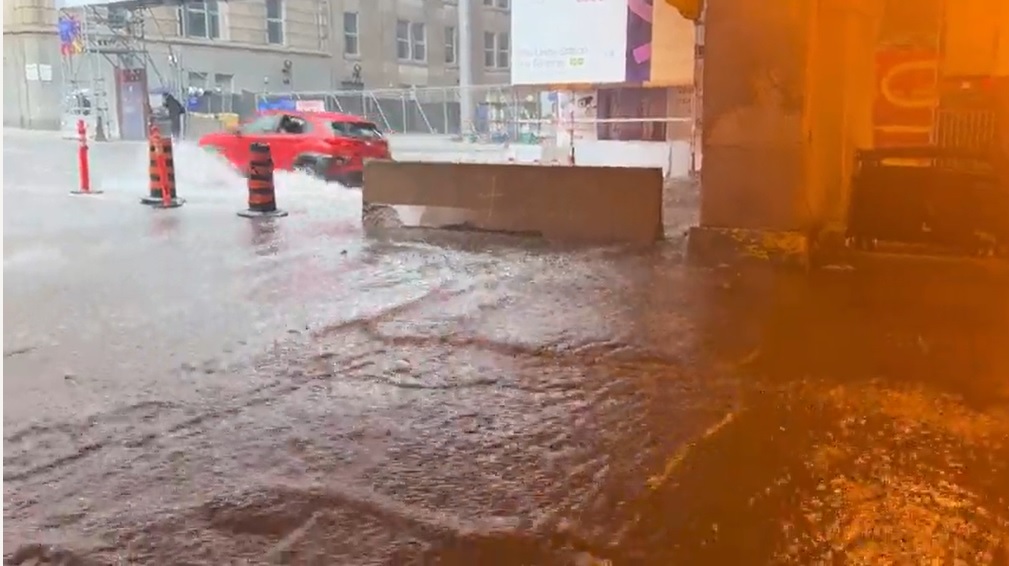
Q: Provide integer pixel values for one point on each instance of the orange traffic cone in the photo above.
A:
(262, 193)
(162, 172)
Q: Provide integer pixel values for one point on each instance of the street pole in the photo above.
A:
(465, 68)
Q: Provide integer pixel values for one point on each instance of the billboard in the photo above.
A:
(568, 41)
(599, 41)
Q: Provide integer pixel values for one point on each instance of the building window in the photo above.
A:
(224, 82)
(418, 41)
(450, 48)
(496, 50)
(200, 19)
(503, 4)
(275, 22)
(351, 45)
(118, 17)
(322, 25)
(488, 3)
(503, 50)
(197, 80)
(489, 41)
(411, 41)
(402, 40)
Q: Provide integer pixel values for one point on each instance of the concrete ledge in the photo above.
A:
(708, 246)
(572, 204)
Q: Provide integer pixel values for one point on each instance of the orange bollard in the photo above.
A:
(262, 193)
(161, 172)
(83, 165)
(166, 192)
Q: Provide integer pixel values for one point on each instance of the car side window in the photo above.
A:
(358, 130)
(262, 125)
(294, 125)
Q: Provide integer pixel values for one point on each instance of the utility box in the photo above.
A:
(133, 102)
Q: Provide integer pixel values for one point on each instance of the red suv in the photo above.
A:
(329, 145)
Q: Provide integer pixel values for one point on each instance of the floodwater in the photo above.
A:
(189, 387)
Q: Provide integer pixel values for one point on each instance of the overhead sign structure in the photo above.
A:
(568, 41)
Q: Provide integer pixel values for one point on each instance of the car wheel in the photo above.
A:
(307, 164)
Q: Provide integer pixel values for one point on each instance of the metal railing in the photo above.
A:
(428, 110)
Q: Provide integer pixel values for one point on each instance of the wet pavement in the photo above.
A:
(189, 387)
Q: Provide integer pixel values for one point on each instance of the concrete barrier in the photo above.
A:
(583, 204)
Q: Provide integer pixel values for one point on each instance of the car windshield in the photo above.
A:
(357, 130)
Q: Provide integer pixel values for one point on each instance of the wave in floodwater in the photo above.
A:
(34, 257)
(208, 173)
(204, 177)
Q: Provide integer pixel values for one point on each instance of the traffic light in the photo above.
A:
(689, 9)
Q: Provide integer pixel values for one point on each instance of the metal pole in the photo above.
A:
(465, 68)
(573, 101)
(402, 97)
(444, 111)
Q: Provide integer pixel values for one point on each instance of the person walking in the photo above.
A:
(175, 111)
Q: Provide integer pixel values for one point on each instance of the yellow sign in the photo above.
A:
(672, 48)
(689, 9)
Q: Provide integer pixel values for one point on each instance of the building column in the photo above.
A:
(788, 90)
(754, 192)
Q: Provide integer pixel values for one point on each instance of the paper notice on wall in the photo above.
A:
(32, 72)
(46, 73)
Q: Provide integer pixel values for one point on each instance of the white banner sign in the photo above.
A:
(568, 41)
(310, 105)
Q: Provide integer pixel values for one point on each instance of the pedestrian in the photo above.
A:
(175, 112)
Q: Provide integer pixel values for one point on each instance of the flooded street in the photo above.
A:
(190, 387)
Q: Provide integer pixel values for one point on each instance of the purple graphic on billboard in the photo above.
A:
(639, 41)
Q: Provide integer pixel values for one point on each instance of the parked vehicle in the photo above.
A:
(329, 145)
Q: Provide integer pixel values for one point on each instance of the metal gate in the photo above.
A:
(966, 119)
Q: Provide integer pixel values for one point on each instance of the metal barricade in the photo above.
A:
(426, 110)
(522, 117)
(499, 112)
(969, 130)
